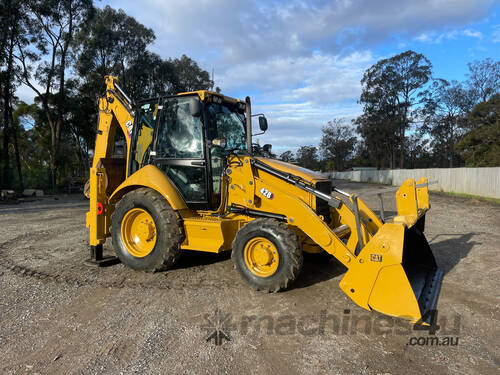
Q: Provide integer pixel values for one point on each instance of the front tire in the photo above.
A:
(146, 231)
(267, 255)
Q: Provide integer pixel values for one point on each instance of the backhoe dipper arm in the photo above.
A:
(115, 108)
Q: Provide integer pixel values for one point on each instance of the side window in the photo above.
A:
(143, 135)
(189, 180)
(180, 135)
(227, 123)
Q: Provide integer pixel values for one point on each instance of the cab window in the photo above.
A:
(180, 134)
(143, 135)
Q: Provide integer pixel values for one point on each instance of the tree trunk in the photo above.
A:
(6, 136)
(61, 99)
(7, 112)
(53, 163)
(393, 157)
(18, 159)
(450, 149)
(81, 154)
(403, 128)
(402, 148)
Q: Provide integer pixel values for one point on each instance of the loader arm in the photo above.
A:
(382, 268)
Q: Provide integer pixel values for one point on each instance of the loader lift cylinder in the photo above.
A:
(298, 182)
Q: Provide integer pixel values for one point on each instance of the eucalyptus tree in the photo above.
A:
(397, 83)
(45, 61)
(337, 142)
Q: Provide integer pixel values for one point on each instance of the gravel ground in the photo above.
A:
(58, 316)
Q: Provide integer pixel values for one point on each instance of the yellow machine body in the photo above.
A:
(390, 267)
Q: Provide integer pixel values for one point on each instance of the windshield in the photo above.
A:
(180, 134)
(224, 121)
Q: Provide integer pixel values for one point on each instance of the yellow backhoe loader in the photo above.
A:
(189, 180)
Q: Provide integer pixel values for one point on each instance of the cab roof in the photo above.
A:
(206, 94)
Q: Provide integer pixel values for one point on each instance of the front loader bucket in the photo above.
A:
(410, 289)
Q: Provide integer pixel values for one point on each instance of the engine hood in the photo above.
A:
(304, 173)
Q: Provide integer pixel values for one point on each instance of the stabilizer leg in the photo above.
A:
(98, 260)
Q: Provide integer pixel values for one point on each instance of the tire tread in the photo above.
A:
(173, 230)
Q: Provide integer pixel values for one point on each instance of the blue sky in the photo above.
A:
(301, 61)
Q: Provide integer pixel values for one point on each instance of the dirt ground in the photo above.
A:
(59, 316)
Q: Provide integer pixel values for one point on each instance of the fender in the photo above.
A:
(151, 177)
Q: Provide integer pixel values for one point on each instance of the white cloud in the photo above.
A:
(436, 38)
(473, 33)
(318, 79)
(299, 95)
(425, 37)
(496, 34)
(294, 125)
(235, 32)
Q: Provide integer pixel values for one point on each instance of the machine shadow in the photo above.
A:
(449, 252)
(318, 268)
(191, 258)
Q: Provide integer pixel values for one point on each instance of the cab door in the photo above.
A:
(180, 153)
(142, 134)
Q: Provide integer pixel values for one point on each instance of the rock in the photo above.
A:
(33, 193)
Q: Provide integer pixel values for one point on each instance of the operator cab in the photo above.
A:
(188, 137)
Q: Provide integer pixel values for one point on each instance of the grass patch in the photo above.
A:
(467, 196)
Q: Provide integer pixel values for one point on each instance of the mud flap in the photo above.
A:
(409, 290)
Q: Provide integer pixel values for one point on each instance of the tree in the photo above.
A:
(81, 119)
(113, 44)
(481, 146)
(189, 75)
(337, 143)
(56, 23)
(307, 157)
(419, 151)
(42, 43)
(445, 117)
(13, 32)
(287, 156)
(116, 44)
(378, 128)
(397, 82)
(484, 78)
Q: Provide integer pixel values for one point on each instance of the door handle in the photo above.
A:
(198, 163)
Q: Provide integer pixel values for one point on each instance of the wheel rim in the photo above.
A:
(261, 257)
(138, 232)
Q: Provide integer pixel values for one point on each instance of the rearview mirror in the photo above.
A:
(267, 148)
(195, 107)
(262, 123)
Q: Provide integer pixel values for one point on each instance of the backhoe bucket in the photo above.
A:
(409, 290)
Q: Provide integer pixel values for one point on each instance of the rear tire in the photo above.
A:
(165, 230)
(281, 246)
